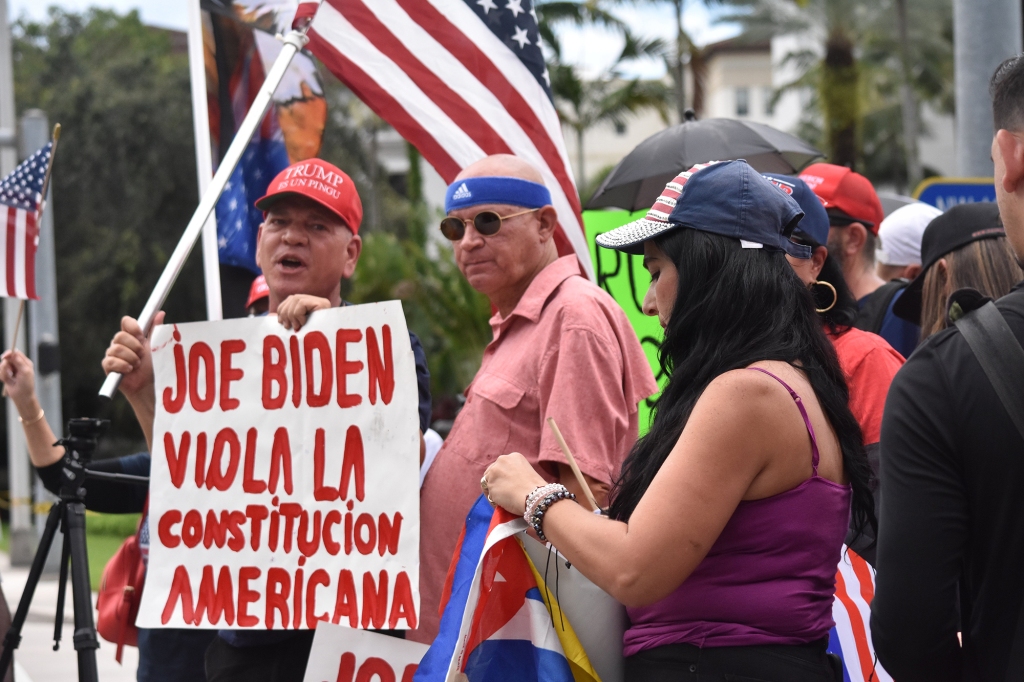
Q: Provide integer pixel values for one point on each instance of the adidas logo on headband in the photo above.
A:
(462, 193)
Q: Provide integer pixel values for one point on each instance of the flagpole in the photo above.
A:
(204, 160)
(293, 42)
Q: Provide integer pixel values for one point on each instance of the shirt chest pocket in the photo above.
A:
(486, 421)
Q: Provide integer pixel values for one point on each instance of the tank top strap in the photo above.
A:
(803, 413)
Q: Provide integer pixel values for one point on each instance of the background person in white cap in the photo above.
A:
(899, 250)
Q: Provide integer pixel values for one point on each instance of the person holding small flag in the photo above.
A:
(729, 517)
(22, 200)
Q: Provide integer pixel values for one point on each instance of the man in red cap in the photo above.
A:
(855, 214)
(308, 242)
(259, 297)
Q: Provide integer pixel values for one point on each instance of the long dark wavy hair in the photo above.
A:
(735, 307)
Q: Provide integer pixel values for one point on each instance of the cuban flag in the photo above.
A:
(850, 639)
(499, 622)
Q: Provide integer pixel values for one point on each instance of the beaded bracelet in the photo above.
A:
(536, 518)
(536, 495)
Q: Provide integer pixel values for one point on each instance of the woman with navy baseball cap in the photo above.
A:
(728, 520)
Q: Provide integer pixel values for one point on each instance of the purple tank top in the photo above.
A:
(768, 579)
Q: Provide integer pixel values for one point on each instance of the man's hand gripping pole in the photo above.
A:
(293, 42)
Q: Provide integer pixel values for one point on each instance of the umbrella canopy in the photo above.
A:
(890, 202)
(638, 179)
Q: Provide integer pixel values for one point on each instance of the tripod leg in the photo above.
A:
(62, 590)
(13, 638)
(85, 639)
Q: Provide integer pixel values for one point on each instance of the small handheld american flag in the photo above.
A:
(21, 198)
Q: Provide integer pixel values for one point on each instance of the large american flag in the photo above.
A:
(459, 79)
(21, 194)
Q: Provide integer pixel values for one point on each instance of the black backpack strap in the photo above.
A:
(1000, 355)
(1002, 358)
(872, 315)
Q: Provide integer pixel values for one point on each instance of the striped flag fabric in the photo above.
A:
(500, 621)
(459, 79)
(850, 639)
(21, 196)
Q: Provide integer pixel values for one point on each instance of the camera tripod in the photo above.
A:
(68, 514)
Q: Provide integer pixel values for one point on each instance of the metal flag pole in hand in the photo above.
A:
(293, 42)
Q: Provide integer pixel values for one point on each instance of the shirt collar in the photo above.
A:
(537, 294)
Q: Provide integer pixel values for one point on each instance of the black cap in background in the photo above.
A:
(957, 227)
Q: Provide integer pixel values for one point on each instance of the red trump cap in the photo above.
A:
(845, 192)
(324, 183)
(258, 290)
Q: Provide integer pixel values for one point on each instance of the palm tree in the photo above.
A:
(583, 104)
(870, 62)
(832, 68)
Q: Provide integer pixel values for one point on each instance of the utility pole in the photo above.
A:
(42, 321)
(19, 474)
(985, 32)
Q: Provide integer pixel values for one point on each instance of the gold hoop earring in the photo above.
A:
(835, 295)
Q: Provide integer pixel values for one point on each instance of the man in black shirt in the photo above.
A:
(951, 536)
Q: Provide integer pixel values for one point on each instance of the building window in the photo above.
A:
(769, 103)
(742, 101)
(620, 128)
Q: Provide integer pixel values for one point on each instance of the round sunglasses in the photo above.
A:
(485, 222)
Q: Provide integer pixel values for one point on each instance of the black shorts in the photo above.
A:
(767, 663)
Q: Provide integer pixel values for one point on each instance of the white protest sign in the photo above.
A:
(340, 654)
(284, 483)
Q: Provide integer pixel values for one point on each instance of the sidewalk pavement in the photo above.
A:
(35, 660)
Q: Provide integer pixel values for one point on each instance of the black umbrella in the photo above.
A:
(640, 177)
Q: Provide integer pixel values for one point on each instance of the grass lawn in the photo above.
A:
(104, 534)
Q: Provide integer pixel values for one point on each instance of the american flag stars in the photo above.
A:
(22, 187)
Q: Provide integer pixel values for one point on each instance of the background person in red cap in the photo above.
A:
(259, 297)
(855, 214)
(308, 242)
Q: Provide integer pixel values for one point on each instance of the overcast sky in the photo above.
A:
(591, 48)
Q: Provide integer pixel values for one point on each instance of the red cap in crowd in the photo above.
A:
(845, 194)
(258, 290)
(322, 182)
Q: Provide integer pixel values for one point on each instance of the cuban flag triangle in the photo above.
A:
(500, 623)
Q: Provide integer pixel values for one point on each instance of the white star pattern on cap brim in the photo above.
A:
(656, 220)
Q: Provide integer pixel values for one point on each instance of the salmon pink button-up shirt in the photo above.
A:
(566, 351)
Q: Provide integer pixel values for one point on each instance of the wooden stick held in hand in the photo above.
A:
(572, 463)
(14, 338)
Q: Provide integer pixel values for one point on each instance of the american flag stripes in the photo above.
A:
(851, 610)
(20, 200)
(459, 79)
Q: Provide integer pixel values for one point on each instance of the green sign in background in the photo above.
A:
(624, 277)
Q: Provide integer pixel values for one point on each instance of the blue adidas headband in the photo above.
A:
(495, 190)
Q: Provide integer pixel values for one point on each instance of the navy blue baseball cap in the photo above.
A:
(727, 198)
(815, 224)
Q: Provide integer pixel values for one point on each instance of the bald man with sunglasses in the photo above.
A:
(562, 348)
